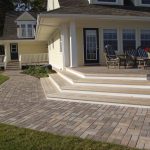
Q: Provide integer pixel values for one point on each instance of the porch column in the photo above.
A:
(73, 46)
(65, 45)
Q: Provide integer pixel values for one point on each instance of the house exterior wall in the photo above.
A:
(32, 47)
(119, 25)
(52, 4)
(55, 50)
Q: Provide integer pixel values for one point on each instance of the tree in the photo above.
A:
(27, 5)
(5, 6)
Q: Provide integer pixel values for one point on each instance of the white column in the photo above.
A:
(65, 45)
(73, 46)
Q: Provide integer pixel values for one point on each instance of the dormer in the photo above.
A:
(52, 4)
(144, 3)
(107, 2)
(26, 25)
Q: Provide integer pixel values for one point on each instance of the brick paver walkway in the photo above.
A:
(22, 103)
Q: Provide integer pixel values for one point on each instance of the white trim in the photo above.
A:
(73, 45)
(105, 17)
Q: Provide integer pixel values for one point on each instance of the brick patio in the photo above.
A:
(22, 103)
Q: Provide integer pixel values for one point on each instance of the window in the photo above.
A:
(110, 37)
(145, 38)
(129, 40)
(23, 30)
(27, 31)
(145, 1)
(107, 1)
(30, 30)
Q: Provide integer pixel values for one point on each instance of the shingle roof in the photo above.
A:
(10, 26)
(83, 7)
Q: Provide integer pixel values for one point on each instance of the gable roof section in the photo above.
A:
(25, 17)
(10, 26)
(83, 7)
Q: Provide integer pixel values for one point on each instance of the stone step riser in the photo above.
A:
(101, 85)
(97, 93)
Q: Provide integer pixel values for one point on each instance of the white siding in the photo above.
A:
(52, 4)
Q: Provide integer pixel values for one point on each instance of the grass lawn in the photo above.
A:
(13, 138)
(3, 78)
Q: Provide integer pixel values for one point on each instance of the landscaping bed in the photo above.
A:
(38, 71)
(13, 138)
(3, 78)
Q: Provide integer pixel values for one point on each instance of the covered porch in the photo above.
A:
(80, 40)
(23, 52)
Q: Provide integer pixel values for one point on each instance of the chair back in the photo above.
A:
(142, 53)
(110, 52)
(132, 53)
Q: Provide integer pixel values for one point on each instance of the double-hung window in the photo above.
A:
(129, 39)
(145, 38)
(23, 30)
(26, 31)
(110, 38)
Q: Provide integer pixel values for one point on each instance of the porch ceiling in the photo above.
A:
(47, 26)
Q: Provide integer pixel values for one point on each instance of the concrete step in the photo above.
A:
(108, 76)
(73, 79)
(64, 86)
(52, 93)
(48, 86)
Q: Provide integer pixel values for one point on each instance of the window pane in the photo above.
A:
(23, 30)
(110, 37)
(145, 1)
(107, 0)
(145, 38)
(129, 40)
(30, 30)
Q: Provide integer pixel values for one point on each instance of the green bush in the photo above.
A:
(38, 71)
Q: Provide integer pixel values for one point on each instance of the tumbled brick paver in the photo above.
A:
(22, 103)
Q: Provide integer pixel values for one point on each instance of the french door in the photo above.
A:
(91, 46)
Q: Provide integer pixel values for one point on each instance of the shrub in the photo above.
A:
(38, 71)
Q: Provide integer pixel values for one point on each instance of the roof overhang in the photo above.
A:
(48, 23)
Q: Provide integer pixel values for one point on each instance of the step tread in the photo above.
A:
(108, 89)
(98, 98)
(67, 86)
(48, 87)
(60, 81)
(105, 81)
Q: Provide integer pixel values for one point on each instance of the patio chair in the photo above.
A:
(131, 56)
(112, 59)
(143, 58)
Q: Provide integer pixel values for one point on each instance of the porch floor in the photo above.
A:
(105, 70)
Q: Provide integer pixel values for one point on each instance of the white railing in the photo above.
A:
(3, 61)
(33, 59)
